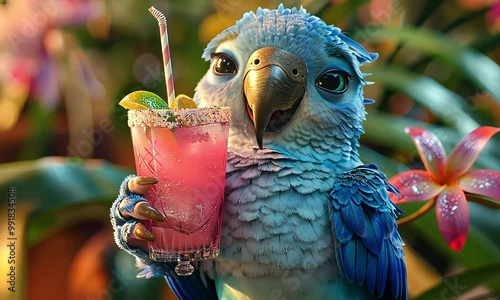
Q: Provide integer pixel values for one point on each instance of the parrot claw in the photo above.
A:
(140, 232)
(147, 211)
(127, 212)
(145, 180)
(141, 184)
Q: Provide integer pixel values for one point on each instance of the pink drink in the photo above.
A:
(186, 150)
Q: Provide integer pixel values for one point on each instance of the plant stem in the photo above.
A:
(424, 209)
(483, 200)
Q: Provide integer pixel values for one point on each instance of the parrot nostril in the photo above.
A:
(295, 72)
(256, 61)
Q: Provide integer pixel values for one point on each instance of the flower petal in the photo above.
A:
(415, 185)
(466, 152)
(482, 182)
(452, 213)
(430, 149)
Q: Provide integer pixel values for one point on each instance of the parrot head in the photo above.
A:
(291, 81)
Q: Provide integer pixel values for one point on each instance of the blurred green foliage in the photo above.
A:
(437, 69)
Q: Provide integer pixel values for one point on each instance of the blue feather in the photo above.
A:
(373, 236)
(348, 252)
(377, 227)
(274, 215)
(371, 269)
(360, 51)
(343, 233)
(364, 225)
(190, 287)
(361, 262)
(394, 274)
(382, 269)
(353, 216)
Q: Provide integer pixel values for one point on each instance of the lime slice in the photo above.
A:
(183, 101)
(143, 100)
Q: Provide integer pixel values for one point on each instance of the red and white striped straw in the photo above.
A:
(167, 63)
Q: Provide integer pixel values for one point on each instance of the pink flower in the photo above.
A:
(446, 179)
(32, 47)
(493, 18)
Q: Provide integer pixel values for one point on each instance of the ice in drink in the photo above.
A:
(186, 150)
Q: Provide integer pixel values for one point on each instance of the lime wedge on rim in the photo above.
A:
(143, 100)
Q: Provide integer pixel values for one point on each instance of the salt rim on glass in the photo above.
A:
(185, 117)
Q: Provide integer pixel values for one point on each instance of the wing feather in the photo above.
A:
(347, 251)
(343, 234)
(382, 270)
(365, 231)
(353, 217)
(371, 268)
(192, 287)
(361, 262)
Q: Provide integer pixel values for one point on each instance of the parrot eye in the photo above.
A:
(333, 81)
(224, 65)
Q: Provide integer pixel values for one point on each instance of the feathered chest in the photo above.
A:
(275, 215)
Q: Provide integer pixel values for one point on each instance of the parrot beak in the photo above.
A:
(274, 85)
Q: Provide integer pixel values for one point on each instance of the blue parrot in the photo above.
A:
(303, 217)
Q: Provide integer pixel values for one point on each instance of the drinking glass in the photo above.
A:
(186, 151)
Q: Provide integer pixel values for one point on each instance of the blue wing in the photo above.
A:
(191, 287)
(369, 248)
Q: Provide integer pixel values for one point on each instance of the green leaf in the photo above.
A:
(474, 65)
(61, 191)
(388, 166)
(54, 182)
(429, 8)
(335, 13)
(456, 285)
(38, 142)
(445, 104)
(486, 43)
(49, 194)
(43, 223)
(127, 286)
(387, 130)
(481, 248)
